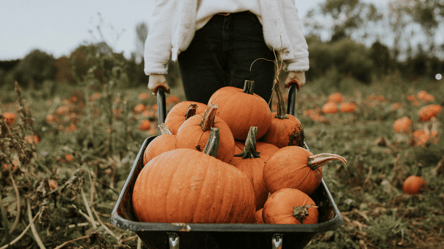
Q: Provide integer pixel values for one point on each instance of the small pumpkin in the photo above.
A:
(166, 141)
(413, 184)
(188, 186)
(252, 165)
(258, 217)
(194, 133)
(290, 206)
(144, 125)
(330, 107)
(402, 125)
(181, 112)
(285, 129)
(296, 167)
(335, 97)
(428, 112)
(9, 117)
(347, 107)
(241, 109)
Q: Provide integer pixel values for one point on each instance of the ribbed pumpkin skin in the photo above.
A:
(188, 186)
(280, 205)
(241, 111)
(266, 150)
(253, 168)
(176, 116)
(159, 145)
(190, 135)
(285, 132)
(287, 168)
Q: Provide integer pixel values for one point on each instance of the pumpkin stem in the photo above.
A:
(248, 87)
(164, 129)
(280, 113)
(212, 146)
(208, 117)
(250, 145)
(318, 160)
(191, 111)
(300, 212)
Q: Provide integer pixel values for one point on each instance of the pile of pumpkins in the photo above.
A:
(229, 161)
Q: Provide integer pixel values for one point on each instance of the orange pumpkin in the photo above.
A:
(296, 167)
(194, 133)
(258, 217)
(330, 107)
(335, 97)
(162, 143)
(189, 186)
(241, 109)
(285, 129)
(347, 107)
(428, 112)
(181, 112)
(413, 184)
(252, 165)
(290, 206)
(139, 108)
(9, 117)
(145, 125)
(403, 125)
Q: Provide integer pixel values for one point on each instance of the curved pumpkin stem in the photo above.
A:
(300, 212)
(191, 111)
(248, 87)
(164, 129)
(212, 146)
(250, 145)
(280, 114)
(318, 160)
(208, 117)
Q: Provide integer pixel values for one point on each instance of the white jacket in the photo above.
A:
(174, 25)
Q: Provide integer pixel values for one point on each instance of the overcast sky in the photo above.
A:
(59, 26)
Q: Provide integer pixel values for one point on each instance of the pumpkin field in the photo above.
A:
(66, 152)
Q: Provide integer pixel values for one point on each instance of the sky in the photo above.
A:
(59, 26)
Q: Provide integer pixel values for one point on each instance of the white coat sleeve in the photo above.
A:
(158, 43)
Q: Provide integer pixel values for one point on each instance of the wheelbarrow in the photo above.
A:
(226, 236)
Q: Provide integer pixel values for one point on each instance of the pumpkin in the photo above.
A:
(162, 143)
(347, 107)
(258, 217)
(194, 133)
(181, 112)
(402, 125)
(428, 112)
(412, 184)
(241, 109)
(9, 117)
(188, 186)
(296, 167)
(252, 164)
(285, 129)
(145, 125)
(335, 97)
(139, 108)
(290, 206)
(330, 107)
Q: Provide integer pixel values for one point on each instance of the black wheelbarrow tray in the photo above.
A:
(198, 235)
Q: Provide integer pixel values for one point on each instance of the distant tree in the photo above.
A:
(381, 57)
(64, 70)
(35, 68)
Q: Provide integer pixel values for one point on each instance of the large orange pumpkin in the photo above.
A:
(285, 129)
(290, 206)
(181, 112)
(194, 133)
(188, 186)
(296, 167)
(162, 143)
(241, 109)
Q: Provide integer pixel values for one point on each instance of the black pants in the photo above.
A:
(222, 54)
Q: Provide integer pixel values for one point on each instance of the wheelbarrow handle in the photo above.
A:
(161, 105)
(292, 92)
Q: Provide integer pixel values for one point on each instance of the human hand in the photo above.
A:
(158, 80)
(295, 77)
